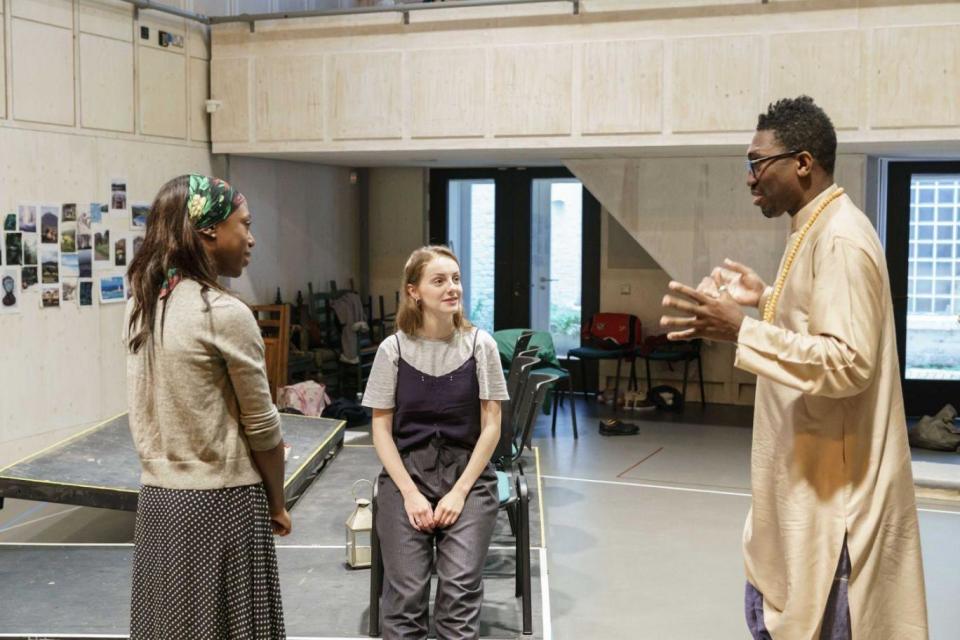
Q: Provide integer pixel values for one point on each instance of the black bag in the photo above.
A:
(666, 397)
(345, 409)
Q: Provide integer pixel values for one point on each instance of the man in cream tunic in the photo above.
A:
(832, 542)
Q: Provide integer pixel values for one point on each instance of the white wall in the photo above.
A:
(687, 215)
(83, 100)
(306, 224)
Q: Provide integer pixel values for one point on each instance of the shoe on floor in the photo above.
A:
(613, 427)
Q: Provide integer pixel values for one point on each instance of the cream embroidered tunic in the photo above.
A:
(830, 453)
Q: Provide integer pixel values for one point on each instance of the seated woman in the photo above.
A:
(435, 389)
(206, 431)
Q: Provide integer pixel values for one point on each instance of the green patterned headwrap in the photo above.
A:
(211, 200)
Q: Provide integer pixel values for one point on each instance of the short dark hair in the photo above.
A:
(798, 123)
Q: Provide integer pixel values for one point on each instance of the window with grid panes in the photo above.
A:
(934, 271)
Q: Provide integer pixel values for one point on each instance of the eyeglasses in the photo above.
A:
(752, 164)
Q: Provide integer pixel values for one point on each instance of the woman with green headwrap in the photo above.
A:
(204, 425)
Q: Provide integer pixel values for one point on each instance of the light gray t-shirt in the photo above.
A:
(435, 358)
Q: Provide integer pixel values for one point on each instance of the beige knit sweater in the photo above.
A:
(196, 413)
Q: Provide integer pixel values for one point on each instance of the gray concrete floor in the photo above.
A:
(642, 532)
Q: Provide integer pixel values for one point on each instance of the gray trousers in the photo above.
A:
(461, 549)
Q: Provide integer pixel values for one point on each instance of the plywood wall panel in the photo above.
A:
(289, 97)
(199, 93)
(163, 93)
(916, 77)
(447, 91)
(106, 83)
(109, 18)
(532, 90)
(230, 84)
(43, 80)
(53, 12)
(797, 66)
(715, 84)
(366, 101)
(622, 90)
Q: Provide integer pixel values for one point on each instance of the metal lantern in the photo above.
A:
(359, 528)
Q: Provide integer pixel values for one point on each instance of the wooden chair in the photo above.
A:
(274, 321)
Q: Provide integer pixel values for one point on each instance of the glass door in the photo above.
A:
(923, 252)
(555, 260)
(471, 228)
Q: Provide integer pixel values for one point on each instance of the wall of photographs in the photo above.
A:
(70, 253)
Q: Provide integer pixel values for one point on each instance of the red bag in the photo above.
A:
(611, 331)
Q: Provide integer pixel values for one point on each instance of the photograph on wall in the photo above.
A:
(28, 278)
(84, 241)
(49, 225)
(28, 217)
(29, 248)
(120, 253)
(101, 246)
(84, 222)
(86, 293)
(69, 265)
(97, 209)
(118, 194)
(69, 212)
(68, 237)
(13, 249)
(49, 264)
(138, 216)
(85, 262)
(137, 242)
(50, 296)
(112, 289)
(10, 291)
(10, 222)
(68, 289)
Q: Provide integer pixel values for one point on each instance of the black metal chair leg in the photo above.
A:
(616, 384)
(703, 394)
(583, 378)
(573, 408)
(524, 544)
(649, 382)
(556, 407)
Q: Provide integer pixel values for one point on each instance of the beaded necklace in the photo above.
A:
(770, 308)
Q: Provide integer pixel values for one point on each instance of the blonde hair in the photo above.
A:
(410, 315)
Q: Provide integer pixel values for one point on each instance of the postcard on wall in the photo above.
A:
(101, 246)
(97, 209)
(112, 289)
(120, 253)
(69, 213)
(13, 248)
(85, 262)
(50, 295)
(139, 212)
(86, 293)
(10, 290)
(10, 222)
(28, 217)
(84, 222)
(68, 237)
(118, 194)
(28, 279)
(69, 265)
(49, 224)
(29, 249)
(69, 291)
(84, 241)
(49, 264)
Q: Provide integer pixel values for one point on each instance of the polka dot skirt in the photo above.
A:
(204, 566)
